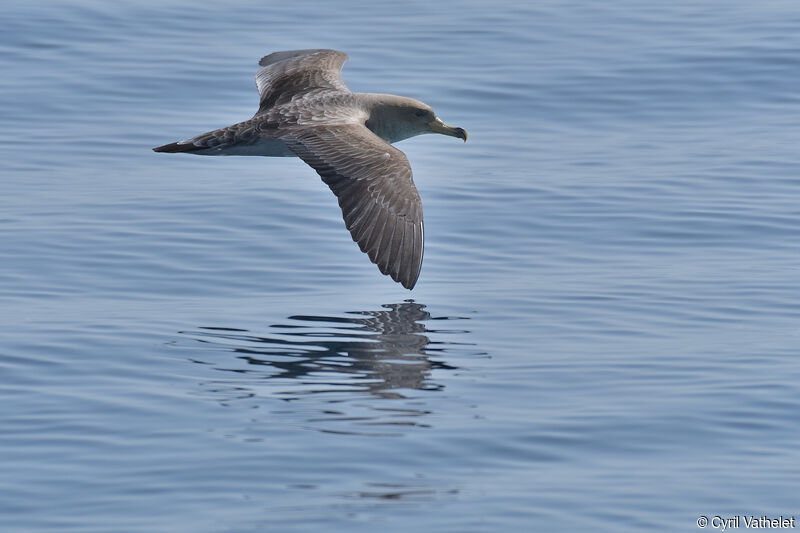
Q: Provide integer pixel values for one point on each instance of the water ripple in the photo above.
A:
(335, 363)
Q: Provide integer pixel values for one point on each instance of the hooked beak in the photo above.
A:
(437, 126)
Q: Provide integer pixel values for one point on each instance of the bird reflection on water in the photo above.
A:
(385, 354)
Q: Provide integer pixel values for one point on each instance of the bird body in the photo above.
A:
(306, 111)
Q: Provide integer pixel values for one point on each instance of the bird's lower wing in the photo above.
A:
(375, 188)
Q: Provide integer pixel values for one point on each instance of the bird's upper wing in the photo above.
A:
(286, 74)
(374, 185)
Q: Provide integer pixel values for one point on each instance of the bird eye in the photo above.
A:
(420, 113)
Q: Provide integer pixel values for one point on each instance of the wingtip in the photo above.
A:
(409, 284)
(407, 277)
(411, 281)
(276, 57)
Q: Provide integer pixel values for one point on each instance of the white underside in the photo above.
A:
(264, 147)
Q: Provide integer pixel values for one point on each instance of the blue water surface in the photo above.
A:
(606, 329)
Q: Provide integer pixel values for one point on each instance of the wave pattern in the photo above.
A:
(604, 332)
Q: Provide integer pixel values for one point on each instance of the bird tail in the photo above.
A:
(176, 147)
(218, 141)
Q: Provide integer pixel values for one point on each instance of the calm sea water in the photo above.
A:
(604, 337)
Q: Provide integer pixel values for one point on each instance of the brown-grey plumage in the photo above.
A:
(306, 110)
